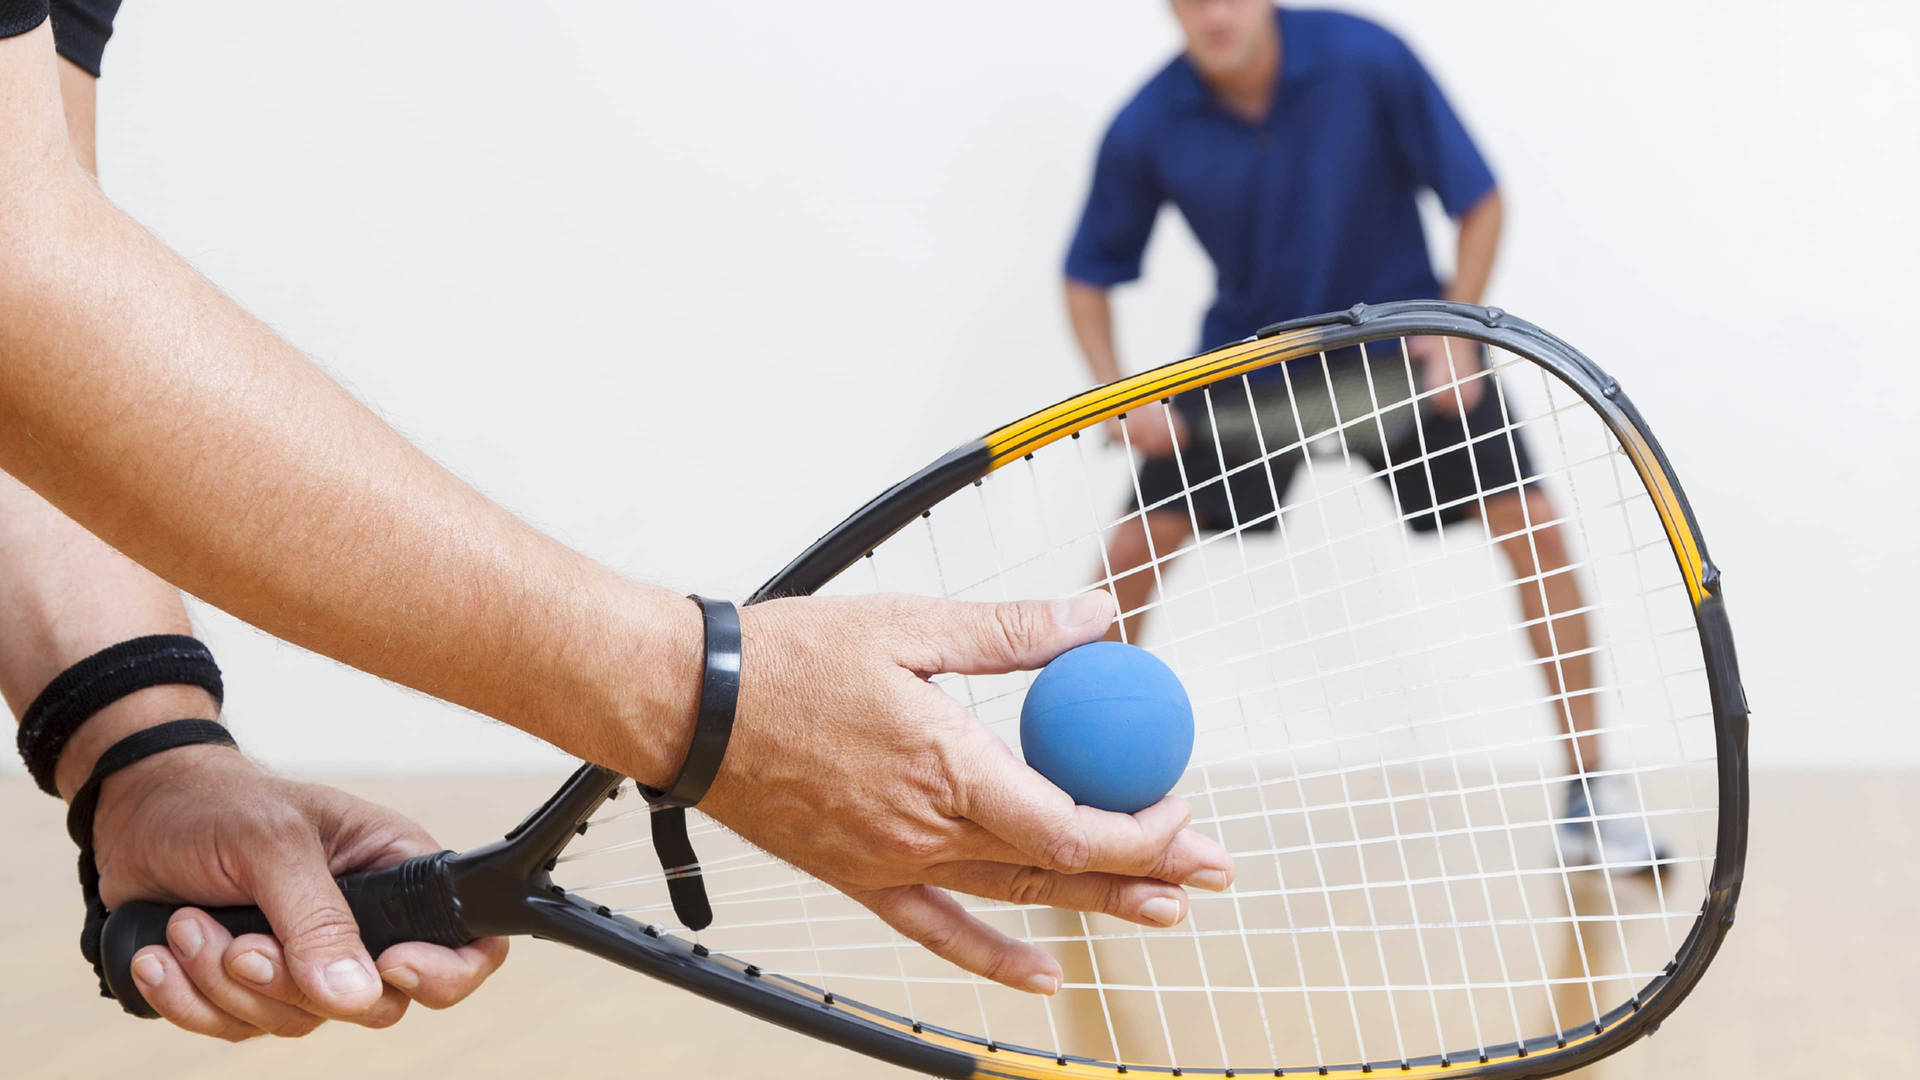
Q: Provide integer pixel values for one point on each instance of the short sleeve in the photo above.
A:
(1121, 207)
(1431, 137)
(81, 29)
(19, 16)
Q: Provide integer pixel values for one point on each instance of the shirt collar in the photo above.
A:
(1299, 59)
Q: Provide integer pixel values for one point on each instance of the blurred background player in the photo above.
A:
(1295, 143)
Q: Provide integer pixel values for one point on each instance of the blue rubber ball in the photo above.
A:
(1110, 725)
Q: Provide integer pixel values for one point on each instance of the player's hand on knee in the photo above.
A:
(849, 762)
(205, 824)
(1447, 366)
(1153, 431)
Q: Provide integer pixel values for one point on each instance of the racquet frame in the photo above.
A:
(505, 887)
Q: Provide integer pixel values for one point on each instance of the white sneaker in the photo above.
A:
(1609, 832)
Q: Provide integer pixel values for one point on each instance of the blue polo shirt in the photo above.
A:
(1310, 210)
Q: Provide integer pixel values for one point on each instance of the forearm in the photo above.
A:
(147, 406)
(65, 595)
(1091, 315)
(1478, 244)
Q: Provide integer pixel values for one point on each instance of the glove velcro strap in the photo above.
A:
(138, 746)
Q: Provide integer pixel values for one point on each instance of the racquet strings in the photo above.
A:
(1378, 743)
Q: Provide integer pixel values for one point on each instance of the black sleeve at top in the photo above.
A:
(81, 29)
(20, 16)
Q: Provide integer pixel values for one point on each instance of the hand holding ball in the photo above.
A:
(1110, 725)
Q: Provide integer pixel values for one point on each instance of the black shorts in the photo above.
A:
(1439, 486)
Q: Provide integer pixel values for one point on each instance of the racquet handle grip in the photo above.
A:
(409, 901)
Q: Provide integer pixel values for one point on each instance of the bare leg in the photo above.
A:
(1134, 547)
(1549, 584)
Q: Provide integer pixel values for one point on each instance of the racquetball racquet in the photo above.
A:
(1485, 786)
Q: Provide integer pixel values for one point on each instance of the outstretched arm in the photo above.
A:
(149, 407)
(1451, 359)
(1479, 242)
(1091, 314)
(1090, 311)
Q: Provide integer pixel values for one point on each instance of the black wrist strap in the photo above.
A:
(76, 694)
(135, 747)
(712, 729)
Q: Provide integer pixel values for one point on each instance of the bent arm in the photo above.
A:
(152, 410)
(1479, 242)
(1091, 313)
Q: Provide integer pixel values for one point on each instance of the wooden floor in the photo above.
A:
(1821, 976)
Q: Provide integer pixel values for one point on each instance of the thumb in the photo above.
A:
(985, 639)
(317, 931)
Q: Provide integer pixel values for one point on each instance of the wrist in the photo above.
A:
(122, 794)
(648, 687)
(139, 710)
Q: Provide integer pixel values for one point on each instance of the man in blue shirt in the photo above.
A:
(1295, 144)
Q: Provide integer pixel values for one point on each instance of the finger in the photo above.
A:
(199, 944)
(438, 977)
(939, 924)
(1192, 859)
(318, 935)
(1192, 862)
(259, 962)
(173, 995)
(985, 639)
(1151, 903)
(1040, 821)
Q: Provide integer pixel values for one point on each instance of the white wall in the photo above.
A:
(684, 283)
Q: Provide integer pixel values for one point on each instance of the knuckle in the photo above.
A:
(896, 608)
(1030, 885)
(321, 928)
(999, 965)
(1018, 623)
(294, 1027)
(1069, 853)
(278, 822)
(1168, 865)
(940, 939)
(382, 1016)
(945, 776)
(916, 843)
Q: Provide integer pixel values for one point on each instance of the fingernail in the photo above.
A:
(403, 977)
(252, 967)
(347, 977)
(148, 972)
(1042, 983)
(1161, 911)
(1207, 878)
(1077, 611)
(185, 936)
